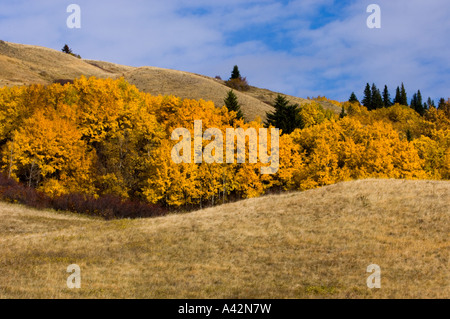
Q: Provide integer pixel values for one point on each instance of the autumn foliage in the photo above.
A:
(101, 137)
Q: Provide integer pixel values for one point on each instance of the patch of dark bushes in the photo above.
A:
(239, 84)
(63, 81)
(14, 192)
(108, 206)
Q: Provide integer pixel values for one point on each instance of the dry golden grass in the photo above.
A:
(313, 244)
(268, 97)
(193, 86)
(27, 64)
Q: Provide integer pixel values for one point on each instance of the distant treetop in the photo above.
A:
(236, 81)
(235, 74)
(68, 50)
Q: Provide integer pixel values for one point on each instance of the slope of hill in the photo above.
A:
(310, 244)
(192, 86)
(28, 64)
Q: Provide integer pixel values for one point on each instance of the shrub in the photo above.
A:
(63, 81)
(108, 207)
(239, 84)
(14, 192)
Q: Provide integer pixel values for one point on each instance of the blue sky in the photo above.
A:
(303, 48)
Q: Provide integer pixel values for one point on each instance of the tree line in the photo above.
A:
(104, 137)
(373, 99)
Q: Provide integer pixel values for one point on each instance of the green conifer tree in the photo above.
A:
(367, 100)
(353, 98)
(398, 96)
(403, 97)
(377, 100)
(66, 49)
(386, 97)
(441, 104)
(419, 98)
(416, 103)
(232, 104)
(343, 113)
(235, 74)
(286, 116)
(413, 103)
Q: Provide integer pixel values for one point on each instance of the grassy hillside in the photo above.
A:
(28, 64)
(192, 86)
(310, 244)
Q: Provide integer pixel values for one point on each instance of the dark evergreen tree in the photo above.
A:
(441, 104)
(286, 116)
(409, 136)
(235, 74)
(419, 98)
(66, 49)
(367, 100)
(398, 97)
(232, 104)
(430, 103)
(342, 114)
(413, 103)
(377, 100)
(416, 103)
(353, 98)
(403, 97)
(386, 97)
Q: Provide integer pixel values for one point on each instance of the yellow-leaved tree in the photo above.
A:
(47, 152)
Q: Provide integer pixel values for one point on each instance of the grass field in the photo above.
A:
(312, 244)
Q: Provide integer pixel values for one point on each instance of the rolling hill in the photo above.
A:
(28, 64)
(312, 244)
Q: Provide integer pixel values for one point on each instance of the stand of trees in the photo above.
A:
(236, 81)
(103, 137)
(373, 99)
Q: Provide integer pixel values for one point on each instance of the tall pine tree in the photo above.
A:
(343, 113)
(353, 98)
(413, 103)
(441, 104)
(419, 98)
(367, 100)
(235, 74)
(430, 103)
(232, 104)
(416, 103)
(66, 49)
(377, 100)
(286, 116)
(386, 97)
(403, 97)
(398, 97)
